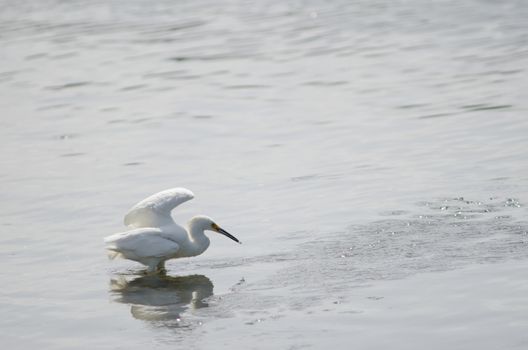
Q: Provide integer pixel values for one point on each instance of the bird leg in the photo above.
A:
(161, 268)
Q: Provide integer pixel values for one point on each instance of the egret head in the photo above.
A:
(206, 223)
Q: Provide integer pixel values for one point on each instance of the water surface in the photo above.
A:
(347, 144)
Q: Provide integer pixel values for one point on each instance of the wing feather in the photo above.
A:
(142, 243)
(154, 211)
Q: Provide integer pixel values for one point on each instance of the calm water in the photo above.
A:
(346, 143)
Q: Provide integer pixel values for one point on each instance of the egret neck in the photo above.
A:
(198, 241)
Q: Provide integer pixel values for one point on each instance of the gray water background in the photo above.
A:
(343, 142)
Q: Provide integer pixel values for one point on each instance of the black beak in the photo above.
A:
(227, 234)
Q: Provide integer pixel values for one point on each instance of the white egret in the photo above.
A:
(154, 237)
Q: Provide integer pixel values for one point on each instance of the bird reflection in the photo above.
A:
(160, 297)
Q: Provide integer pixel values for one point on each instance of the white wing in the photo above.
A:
(141, 244)
(155, 210)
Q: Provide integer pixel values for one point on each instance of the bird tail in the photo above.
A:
(112, 254)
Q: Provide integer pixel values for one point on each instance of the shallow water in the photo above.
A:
(345, 143)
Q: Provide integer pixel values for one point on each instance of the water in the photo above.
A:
(349, 145)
